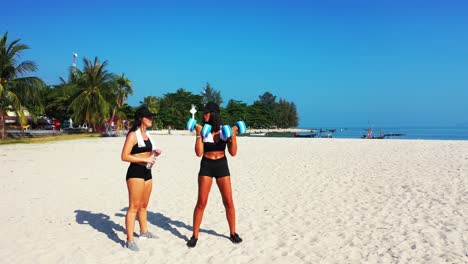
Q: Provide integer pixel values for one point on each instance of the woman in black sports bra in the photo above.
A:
(214, 165)
(139, 151)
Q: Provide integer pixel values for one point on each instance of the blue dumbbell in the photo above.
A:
(242, 127)
(226, 130)
(191, 123)
(206, 130)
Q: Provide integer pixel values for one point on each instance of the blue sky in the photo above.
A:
(343, 63)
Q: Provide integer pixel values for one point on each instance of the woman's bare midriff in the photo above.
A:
(142, 155)
(214, 155)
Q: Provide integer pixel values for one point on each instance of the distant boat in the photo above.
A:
(394, 135)
(323, 133)
(380, 136)
(305, 135)
(258, 134)
(372, 137)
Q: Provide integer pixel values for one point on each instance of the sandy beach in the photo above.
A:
(298, 200)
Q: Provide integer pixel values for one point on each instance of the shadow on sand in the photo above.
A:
(166, 223)
(101, 223)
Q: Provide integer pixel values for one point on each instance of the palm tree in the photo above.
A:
(57, 99)
(124, 88)
(95, 92)
(152, 103)
(17, 93)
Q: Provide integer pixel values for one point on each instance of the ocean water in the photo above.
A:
(426, 133)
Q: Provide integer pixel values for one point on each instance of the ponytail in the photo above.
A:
(135, 126)
(215, 121)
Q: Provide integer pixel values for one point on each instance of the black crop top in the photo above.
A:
(210, 146)
(147, 148)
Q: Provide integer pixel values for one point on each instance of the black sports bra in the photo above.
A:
(147, 148)
(209, 145)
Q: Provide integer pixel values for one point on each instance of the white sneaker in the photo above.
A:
(147, 235)
(132, 246)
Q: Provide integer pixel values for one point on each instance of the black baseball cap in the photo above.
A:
(211, 107)
(143, 112)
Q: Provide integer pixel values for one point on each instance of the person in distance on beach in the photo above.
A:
(139, 149)
(214, 165)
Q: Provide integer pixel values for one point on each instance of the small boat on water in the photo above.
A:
(305, 135)
(380, 136)
(257, 134)
(323, 132)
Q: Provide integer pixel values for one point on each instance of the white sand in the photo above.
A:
(298, 200)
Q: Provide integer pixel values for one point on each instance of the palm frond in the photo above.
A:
(26, 67)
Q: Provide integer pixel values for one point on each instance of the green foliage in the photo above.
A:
(17, 93)
(267, 113)
(153, 104)
(94, 95)
(293, 117)
(175, 108)
(209, 94)
(58, 99)
(128, 111)
(124, 89)
(286, 114)
(260, 116)
(268, 99)
(236, 111)
(121, 88)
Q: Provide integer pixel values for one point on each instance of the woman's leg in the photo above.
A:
(135, 193)
(224, 185)
(204, 187)
(142, 212)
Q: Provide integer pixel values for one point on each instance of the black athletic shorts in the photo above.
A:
(214, 168)
(138, 171)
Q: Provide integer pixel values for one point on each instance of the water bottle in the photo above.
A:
(149, 165)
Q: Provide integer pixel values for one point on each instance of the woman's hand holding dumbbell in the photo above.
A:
(235, 129)
(198, 129)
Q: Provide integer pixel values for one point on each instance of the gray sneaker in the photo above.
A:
(132, 246)
(147, 235)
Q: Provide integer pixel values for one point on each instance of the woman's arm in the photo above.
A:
(198, 141)
(130, 141)
(232, 142)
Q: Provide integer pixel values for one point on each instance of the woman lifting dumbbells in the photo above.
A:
(211, 141)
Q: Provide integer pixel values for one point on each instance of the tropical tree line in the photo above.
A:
(95, 96)
(174, 109)
(17, 92)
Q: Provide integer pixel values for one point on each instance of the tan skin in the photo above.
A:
(205, 182)
(139, 190)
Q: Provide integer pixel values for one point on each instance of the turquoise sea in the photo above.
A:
(426, 133)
